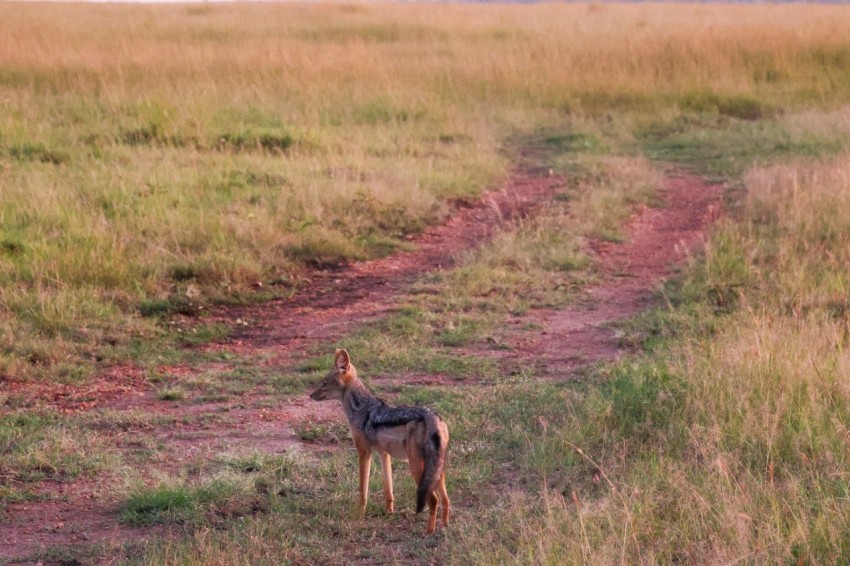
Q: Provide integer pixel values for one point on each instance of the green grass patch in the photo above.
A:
(174, 503)
(171, 394)
(167, 307)
(324, 250)
(575, 142)
(199, 334)
(258, 462)
(267, 139)
(248, 484)
(40, 152)
(741, 107)
(723, 147)
(72, 554)
(321, 433)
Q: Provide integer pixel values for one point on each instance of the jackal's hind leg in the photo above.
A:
(387, 469)
(444, 499)
(432, 513)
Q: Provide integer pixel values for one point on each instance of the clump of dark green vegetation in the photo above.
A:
(235, 495)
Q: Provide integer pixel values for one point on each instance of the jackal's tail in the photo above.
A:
(434, 448)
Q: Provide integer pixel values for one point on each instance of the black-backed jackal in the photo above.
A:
(415, 434)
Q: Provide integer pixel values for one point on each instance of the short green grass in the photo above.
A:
(718, 146)
(178, 503)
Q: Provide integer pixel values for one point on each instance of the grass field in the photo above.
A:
(157, 161)
(157, 157)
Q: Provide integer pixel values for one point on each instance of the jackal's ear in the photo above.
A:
(343, 361)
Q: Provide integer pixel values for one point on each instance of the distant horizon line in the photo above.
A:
(425, 1)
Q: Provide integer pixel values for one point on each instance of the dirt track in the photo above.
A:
(336, 301)
(658, 240)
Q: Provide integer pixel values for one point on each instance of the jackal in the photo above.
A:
(415, 434)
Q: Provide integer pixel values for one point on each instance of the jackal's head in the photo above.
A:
(334, 384)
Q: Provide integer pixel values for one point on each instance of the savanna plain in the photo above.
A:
(171, 174)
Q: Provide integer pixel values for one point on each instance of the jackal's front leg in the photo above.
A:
(365, 457)
(387, 469)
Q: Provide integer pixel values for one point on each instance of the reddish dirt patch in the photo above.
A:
(114, 383)
(268, 430)
(76, 515)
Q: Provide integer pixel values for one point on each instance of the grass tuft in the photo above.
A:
(268, 139)
(736, 106)
(182, 504)
(40, 152)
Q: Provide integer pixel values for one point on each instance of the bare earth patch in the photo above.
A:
(114, 383)
(81, 513)
(75, 515)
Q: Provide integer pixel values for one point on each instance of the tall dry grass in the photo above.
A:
(729, 444)
(469, 50)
